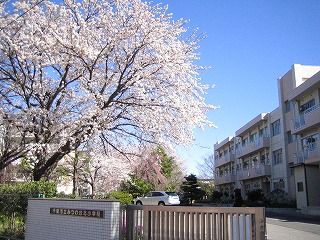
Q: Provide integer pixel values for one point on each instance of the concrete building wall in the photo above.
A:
(311, 95)
(285, 87)
(301, 194)
(313, 180)
(297, 87)
(291, 184)
(279, 170)
(253, 184)
(296, 82)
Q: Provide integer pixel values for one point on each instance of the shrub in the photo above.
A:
(255, 195)
(14, 201)
(136, 186)
(14, 197)
(279, 198)
(123, 197)
(67, 196)
(238, 201)
(216, 196)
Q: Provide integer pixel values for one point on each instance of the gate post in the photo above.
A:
(260, 224)
(129, 223)
(146, 224)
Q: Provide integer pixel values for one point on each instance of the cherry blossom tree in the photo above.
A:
(159, 167)
(92, 167)
(149, 168)
(103, 173)
(71, 71)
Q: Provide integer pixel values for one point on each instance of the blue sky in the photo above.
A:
(249, 45)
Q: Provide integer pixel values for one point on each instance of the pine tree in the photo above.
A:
(191, 189)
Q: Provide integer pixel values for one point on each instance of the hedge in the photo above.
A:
(14, 202)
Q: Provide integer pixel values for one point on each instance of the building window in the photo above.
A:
(260, 132)
(277, 157)
(291, 171)
(300, 186)
(287, 106)
(244, 141)
(310, 143)
(256, 185)
(275, 128)
(263, 159)
(263, 132)
(307, 105)
(279, 185)
(237, 145)
(289, 137)
(253, 137)
(245, 165)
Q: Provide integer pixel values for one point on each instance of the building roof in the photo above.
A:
(261, 117)
(222, 143)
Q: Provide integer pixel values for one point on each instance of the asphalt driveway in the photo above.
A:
(292, 226)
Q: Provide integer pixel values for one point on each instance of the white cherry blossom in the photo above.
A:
(71, 71)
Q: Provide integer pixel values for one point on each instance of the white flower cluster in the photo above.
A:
(73, 70)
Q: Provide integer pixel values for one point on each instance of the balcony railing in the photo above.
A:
(226, 178)
(310, 154)
(254, 172)
(262, 142)
(308, 118)
(224, 159)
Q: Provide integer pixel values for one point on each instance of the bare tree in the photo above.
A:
(69, 168)
(206, 168)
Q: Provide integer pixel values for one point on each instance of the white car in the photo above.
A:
(158, 198)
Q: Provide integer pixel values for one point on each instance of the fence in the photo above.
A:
(198, 223)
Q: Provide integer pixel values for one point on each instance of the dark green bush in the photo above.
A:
(255, 195)
(216, 196)
(238, 201)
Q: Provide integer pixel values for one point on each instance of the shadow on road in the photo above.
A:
(294, 217)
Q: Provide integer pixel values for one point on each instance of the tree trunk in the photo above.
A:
(92, 190)
(40, 170)
(74, 185)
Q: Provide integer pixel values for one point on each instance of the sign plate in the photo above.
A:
(78, 212)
